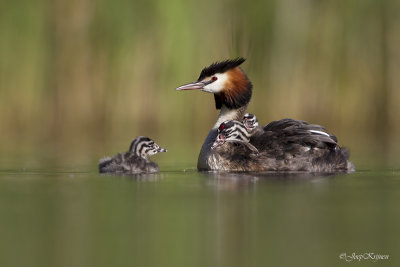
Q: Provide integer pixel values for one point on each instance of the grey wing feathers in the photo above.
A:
(300, 132)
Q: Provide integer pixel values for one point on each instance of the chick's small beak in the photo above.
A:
(191, 86)
(217, 143)
(160, 149)
(220, 140)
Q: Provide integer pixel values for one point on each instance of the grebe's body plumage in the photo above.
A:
(284, 145)
(135, 160)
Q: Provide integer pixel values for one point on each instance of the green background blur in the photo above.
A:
(80, 79)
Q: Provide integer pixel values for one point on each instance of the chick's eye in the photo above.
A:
(221, 127)
(214, 78)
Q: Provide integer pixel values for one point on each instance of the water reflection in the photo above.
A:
(144, 177)
(241, 180)
(176, 218)
(230, 181)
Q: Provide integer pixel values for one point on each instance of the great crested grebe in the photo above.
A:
(135, 160)
(284, 145)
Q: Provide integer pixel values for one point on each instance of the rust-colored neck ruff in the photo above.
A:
(237, 92)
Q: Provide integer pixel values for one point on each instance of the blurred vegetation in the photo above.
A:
(81, 79)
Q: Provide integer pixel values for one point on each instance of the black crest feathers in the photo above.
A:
(220, 67)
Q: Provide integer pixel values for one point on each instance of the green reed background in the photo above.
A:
(80, 79)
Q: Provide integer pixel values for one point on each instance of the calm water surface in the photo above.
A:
(186, 218)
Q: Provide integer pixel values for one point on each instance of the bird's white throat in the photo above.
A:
(227, 114)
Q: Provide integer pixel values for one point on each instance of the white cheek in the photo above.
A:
(218, 85)
(213, 87)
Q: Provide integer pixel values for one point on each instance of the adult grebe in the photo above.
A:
(135, 160)
(285, 145)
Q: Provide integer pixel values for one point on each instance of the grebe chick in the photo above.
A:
(232, 150)
(285, 145)
(250, 121)
(135, 160)
(233, 132)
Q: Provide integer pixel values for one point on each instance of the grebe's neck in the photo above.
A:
(227, 114)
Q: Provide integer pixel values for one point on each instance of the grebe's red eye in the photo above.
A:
(221, 127)
(214, 78)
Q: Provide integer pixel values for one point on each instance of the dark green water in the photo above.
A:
(186, 218)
